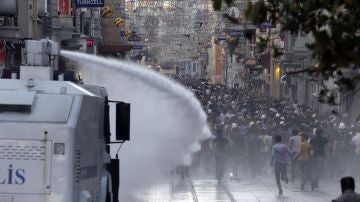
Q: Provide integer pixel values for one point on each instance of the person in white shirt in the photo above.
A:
(356, 142)
(294, 147)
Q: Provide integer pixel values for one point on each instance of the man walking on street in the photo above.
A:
(279, 158)
(294, 146)
(303, 158)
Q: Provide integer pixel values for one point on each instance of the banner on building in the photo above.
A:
(64, 7)
(2, 54)
(88, 3)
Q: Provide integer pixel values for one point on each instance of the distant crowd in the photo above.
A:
(253, 132)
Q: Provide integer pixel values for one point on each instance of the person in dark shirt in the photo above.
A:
(348, 191)
(253, 151)
(237, 149)
(318, 144)
(221, 149)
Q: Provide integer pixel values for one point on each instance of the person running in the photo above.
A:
(318, 144)
(279, 159)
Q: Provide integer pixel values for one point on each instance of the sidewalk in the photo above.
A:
(266, 190)
(205, 189)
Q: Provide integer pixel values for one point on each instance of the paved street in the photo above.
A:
(205, 189)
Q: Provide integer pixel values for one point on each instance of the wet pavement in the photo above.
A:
(206, 189)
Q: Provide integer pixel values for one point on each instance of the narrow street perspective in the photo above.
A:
(179, 100)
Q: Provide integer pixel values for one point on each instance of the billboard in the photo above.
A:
(88, 3)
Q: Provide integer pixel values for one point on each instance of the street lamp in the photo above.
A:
(277, 72)
(277, 80)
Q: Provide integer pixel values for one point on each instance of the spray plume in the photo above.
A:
(167, 121)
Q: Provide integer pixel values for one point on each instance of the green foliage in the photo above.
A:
(217, 4)
(262, 44)
(334, 26)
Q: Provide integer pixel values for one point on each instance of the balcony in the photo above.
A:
(10, 32)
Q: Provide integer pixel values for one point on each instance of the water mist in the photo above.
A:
(167, 121)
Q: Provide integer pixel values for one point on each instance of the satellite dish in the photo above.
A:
(233, 12)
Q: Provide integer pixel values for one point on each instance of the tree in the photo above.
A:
(334, 26)
(217, 4)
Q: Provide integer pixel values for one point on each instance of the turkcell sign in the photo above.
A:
(88, 3)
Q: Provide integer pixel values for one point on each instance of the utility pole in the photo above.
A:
(226, 66)
(34, 20)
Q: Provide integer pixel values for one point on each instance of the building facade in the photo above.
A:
(63, 21)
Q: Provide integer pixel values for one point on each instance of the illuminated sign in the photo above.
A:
(89, 42)
(88, 3)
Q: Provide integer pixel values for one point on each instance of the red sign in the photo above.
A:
(2, 53)
(89, 42)
(64, 7)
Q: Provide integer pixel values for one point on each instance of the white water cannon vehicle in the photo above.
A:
(55, 135)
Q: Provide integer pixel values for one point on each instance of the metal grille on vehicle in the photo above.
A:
(22, 152)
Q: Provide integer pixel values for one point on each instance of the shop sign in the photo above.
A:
(64, 7)
(16, 44)
(267, 25)
(90, 42)
(134, 38)
(137, 46)
(89, 3)
(250, 62)
(143, 53)
(237, 33)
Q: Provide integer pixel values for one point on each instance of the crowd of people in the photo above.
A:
(253, 132)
